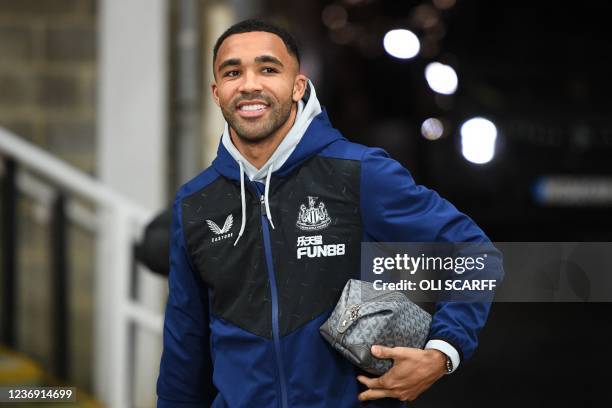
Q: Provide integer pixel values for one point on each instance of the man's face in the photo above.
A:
(256, 84)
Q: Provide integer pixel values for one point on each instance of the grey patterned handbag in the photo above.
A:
(365, 316)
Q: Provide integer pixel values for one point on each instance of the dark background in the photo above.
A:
(541, 72)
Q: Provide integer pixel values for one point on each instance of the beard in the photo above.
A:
(257, 129)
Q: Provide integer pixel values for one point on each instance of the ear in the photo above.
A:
(214, 89)
(299, 87)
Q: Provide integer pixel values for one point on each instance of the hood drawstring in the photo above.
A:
(243, 200)
(266, 194)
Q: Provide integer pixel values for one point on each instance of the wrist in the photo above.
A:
(438, 360)
(449, 350)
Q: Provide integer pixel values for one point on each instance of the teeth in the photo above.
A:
(252, 107)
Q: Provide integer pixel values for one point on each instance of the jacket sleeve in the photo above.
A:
(185, 376)
(395, 209)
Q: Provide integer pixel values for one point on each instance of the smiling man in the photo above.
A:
(248, 64)
(246, 300)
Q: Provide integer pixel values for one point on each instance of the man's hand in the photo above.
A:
(413, 371)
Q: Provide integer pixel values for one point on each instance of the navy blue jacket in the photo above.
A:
(242, 321)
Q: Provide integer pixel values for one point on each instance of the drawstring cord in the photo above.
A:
(243, 199)
(266, 195)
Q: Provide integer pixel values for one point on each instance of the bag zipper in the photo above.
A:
(354, 309)
(354, 314)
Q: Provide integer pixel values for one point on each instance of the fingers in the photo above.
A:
(382, 387)
(395, 353)
(383, 382)
(382, 352)
(405, 381)
(370, 382)
(374, 394)
(387, 352)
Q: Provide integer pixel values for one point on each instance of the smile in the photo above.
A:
(252, 109)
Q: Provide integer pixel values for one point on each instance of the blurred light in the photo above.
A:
(444, 4)
(344, 35)
(401, 43)
(441, 78)
(478, 136)
(432, 129)
(334, 16)
(436, 32)
(576, 190)
(425, 16)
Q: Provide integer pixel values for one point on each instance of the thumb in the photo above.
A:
(382, 352)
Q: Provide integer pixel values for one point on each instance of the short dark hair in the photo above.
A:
(251, 25)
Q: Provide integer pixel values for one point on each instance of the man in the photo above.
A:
(245, 306)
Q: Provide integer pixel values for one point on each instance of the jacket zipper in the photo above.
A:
(274, 293)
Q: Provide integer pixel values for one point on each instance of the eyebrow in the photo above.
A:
(229, 62)
(262, 59)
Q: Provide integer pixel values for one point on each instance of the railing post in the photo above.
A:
(9, 253)
(112, 288)
(60, 290)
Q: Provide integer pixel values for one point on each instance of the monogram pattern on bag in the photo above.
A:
(365, 316)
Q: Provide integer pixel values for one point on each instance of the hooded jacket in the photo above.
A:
(259, 257)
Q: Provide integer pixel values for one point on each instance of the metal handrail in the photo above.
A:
(122, 219)
(67, 177)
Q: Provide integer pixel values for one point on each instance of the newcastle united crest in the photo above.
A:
(314, 217)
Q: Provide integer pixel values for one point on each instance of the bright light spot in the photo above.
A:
(478, 137)
(432, 129)
(441, 78)
(401, 43)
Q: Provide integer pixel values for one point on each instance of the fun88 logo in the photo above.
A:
(312, 247)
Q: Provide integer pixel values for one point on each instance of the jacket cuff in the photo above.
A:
(446, 348)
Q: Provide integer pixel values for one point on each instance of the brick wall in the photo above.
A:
(48, 74)
(47, 96)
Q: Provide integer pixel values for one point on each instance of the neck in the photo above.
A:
(258, 152)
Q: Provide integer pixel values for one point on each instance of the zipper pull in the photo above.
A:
(262, 203)
(354, 312)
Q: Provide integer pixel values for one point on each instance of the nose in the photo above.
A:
(250, 82)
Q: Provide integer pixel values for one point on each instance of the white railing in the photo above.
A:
(118, 222)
